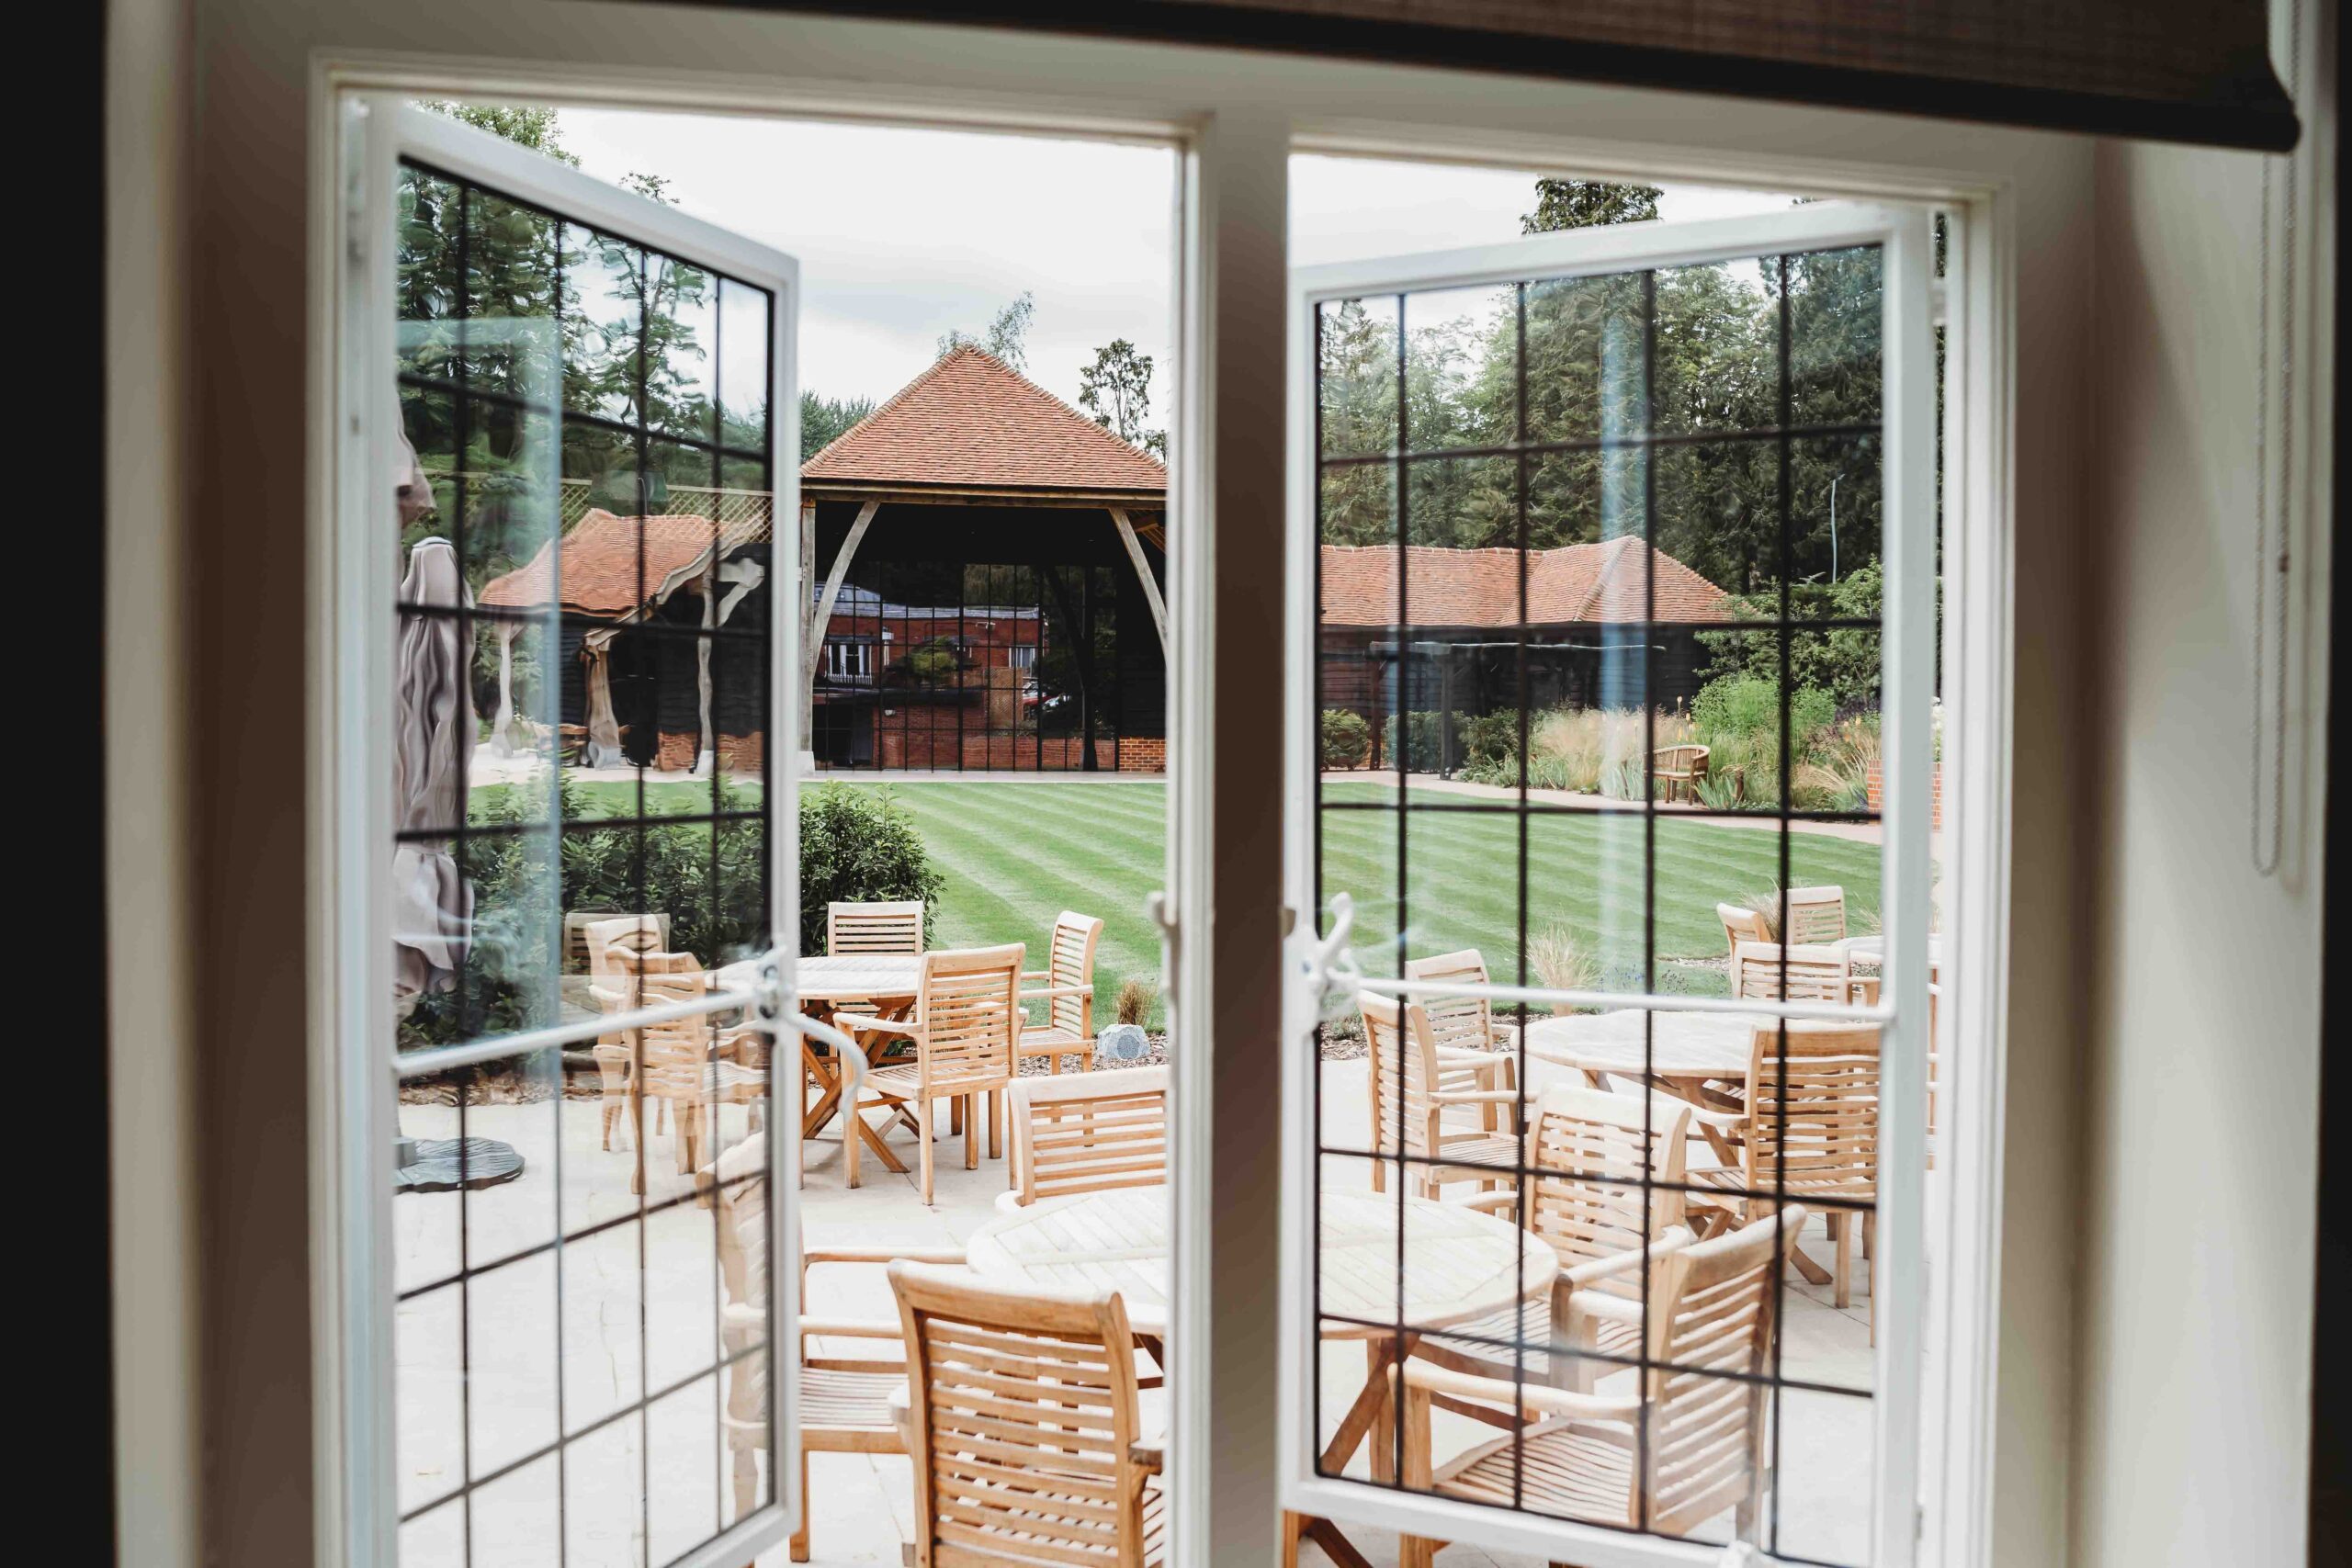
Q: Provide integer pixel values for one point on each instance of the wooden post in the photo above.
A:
(1143, 571)
(806, 575)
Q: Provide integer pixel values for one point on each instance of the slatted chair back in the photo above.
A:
(1812, 1125)
(893, 928)
(670, 1055)
(967, 1010)
(1463, 1023)
(1069, 965)
(1591, 1148)
(1711, 1325)
(601, 937)
(1089, 1132)
(1812, 974)
(1817, 914)
(1404, 1071)
(1741, 924)
(1021, 1416)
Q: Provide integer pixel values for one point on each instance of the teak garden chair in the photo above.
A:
(1086, 1132)
(687, 1062)
(1409, 1104)
(1671, 1456)
(1588, 1151)
(1813, 973)
(966, 1026)
(1812, 1133)
(1679, 768)
(1020, 1416)
(844, 1400)
(601, 938)
(1475, 1050)
(1068, 993)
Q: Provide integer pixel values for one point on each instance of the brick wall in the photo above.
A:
(1935, 792)
(999, 753)
(1143, 754)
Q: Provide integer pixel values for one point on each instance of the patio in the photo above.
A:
(861, 1503)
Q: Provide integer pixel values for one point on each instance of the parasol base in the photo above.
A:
(435, 1169)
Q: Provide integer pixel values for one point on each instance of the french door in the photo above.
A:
(566, 907)
(1613, 569)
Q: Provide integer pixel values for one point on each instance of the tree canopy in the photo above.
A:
(1117, 390)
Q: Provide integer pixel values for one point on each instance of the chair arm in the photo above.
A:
(1674, 1238)
(1482, 1200)
(1044, 992)
(849, 1328)
(1520, 1396)
(1474, 1096)
(1147, 1454)
(881, 1253)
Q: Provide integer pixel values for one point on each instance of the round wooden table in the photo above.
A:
(1684, 1051)
(887, 981)
(1461, 1265)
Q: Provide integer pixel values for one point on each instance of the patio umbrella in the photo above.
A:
(432, 728)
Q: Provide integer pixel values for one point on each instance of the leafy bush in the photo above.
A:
(1347, 738)
(1744, 705)
(857, 845)
(1485, 738)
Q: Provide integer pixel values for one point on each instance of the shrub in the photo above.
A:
(1740, 707)
(1137, 992)
(1560, 963)
(1487, 740)
(1346, 739)
(858, 844)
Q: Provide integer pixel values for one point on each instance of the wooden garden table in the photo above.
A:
(1460, 1265)
(886, 980)
(1690, 1053)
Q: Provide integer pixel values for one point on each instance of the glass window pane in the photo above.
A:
(1357, 342)
(743, 329)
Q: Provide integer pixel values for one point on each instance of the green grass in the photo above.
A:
(1016, 855)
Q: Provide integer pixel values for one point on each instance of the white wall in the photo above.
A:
(2200, 1143)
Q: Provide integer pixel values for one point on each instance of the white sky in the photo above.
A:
(905, 234)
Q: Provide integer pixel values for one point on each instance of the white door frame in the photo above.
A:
(1908, 652)
(349, 744)
(1237, 118)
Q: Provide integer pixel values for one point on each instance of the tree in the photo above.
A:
(532, 127)
(1006, 337)
(1585, 204)
(824, 420)
(1117, 390)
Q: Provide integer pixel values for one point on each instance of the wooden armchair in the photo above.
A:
(1680, 768)
(1475, 1050)
(1820, 1139)
(1409, 1104)
(1672, 1455)
(966, 1023)
(1086, 1132)
(1067, 991)
(1020, 1414)
(689, 1063)
(1588, 1151)
(845, 1401)
(618, 948)
(1812, 973)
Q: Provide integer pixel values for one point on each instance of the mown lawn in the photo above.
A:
(1015, 854)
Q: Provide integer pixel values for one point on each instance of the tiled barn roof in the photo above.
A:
(1601, 581)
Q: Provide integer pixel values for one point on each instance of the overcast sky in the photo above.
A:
(905, 234)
